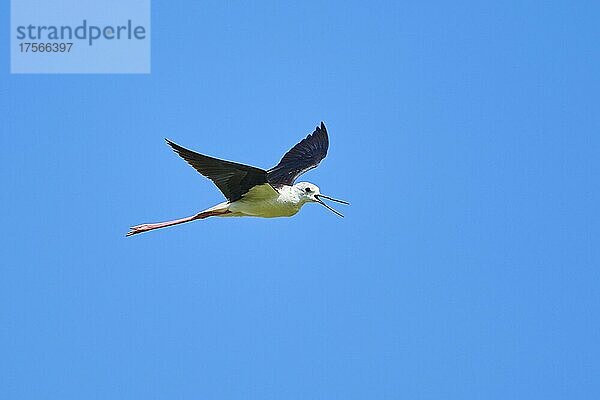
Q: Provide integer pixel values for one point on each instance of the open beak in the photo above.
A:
(318, 198)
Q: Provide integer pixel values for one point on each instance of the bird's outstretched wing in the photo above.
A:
(233, 179)
(302, 157)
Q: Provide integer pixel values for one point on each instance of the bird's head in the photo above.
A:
(309, 192)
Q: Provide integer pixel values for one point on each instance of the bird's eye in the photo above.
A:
(308, 190)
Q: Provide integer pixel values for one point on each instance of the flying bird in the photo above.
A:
(256, 192)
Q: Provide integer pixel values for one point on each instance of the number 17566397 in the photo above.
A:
(26, 47)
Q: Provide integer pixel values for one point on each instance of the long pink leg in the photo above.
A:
(148, 227)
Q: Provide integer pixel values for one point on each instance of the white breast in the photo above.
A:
(264, 201)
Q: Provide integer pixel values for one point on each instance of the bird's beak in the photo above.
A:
(318, 198)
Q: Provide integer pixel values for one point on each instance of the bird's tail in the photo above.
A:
(218, 210)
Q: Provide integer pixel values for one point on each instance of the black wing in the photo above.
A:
(233, 179)
(304, 156)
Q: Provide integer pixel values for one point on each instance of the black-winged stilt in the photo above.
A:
(254, 192)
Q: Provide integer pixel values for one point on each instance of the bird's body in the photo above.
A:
(262, 201)
(268, 202)
(253, 192)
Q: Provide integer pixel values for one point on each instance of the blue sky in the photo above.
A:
(465, 136)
